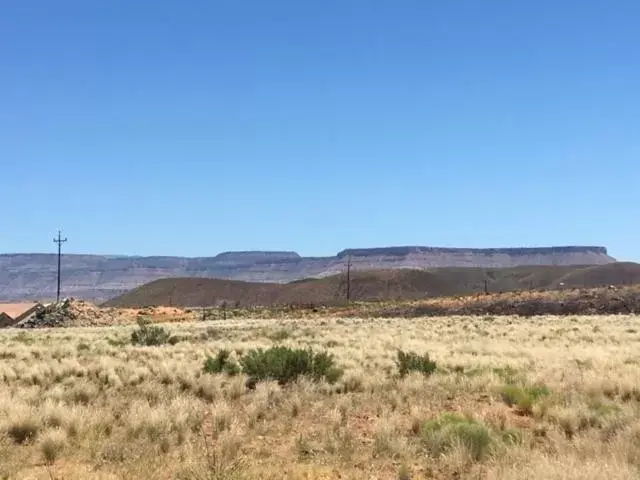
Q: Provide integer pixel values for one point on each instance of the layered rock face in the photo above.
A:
(99, 277)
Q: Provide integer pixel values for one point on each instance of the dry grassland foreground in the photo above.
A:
(510, 398)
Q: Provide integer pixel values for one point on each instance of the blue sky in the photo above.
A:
(194, 127)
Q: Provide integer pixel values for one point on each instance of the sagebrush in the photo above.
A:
(149, 335)
(412, 362)
(285, 365)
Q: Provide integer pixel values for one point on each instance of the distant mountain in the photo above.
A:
(100, 277)
(375, 285)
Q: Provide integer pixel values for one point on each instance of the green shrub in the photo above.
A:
(149, 335)
(221, 363)
(523, 398)
(412, 362)
(441, 434)
(538, 391)
(511, 394)
(285, 365)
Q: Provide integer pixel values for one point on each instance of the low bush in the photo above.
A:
(412, 362)
(285, 365)
(450, 429)
(52, 446)
(23, 430)
(523, 398)
(221, 363)
(149, 335)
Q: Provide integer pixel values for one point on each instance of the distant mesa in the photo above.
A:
(407, 250)
(256, 256)
(100, 277)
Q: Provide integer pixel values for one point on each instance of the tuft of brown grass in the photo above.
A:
(52, 445)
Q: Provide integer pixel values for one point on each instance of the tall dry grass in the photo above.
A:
(511, 398)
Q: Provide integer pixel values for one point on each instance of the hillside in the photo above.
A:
(100, 277)
(375, 285)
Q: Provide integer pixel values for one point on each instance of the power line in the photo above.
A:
(59, 241)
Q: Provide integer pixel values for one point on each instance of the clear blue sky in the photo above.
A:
(194, 127)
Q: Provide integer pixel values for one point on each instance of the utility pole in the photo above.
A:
(59, 241)
(348, 278)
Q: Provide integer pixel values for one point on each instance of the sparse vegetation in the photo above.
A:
(285, 365)
(225, 402)
(52, 445)
(412, 362)
(223, 362)
(22, 430)
(149, 335)
(380, 286)
(450, 429)
(280, 335)
(523, 398)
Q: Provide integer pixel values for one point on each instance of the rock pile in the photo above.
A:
(67, 313)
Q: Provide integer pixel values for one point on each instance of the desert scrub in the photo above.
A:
(52, 445)
(223, 362)
(285, 365)
(412, 362)
(23, 430)
(279, 335)
(124, 411)
(450, 429)
(149, 335)
(509, 375)
(523, 398)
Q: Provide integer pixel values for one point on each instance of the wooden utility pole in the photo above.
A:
(348, 278)
(59, 241)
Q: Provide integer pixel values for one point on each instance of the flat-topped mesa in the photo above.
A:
(256, 256)
(520, 251)
(33, 277)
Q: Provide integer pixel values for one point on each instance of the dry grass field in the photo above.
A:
(511, 398)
